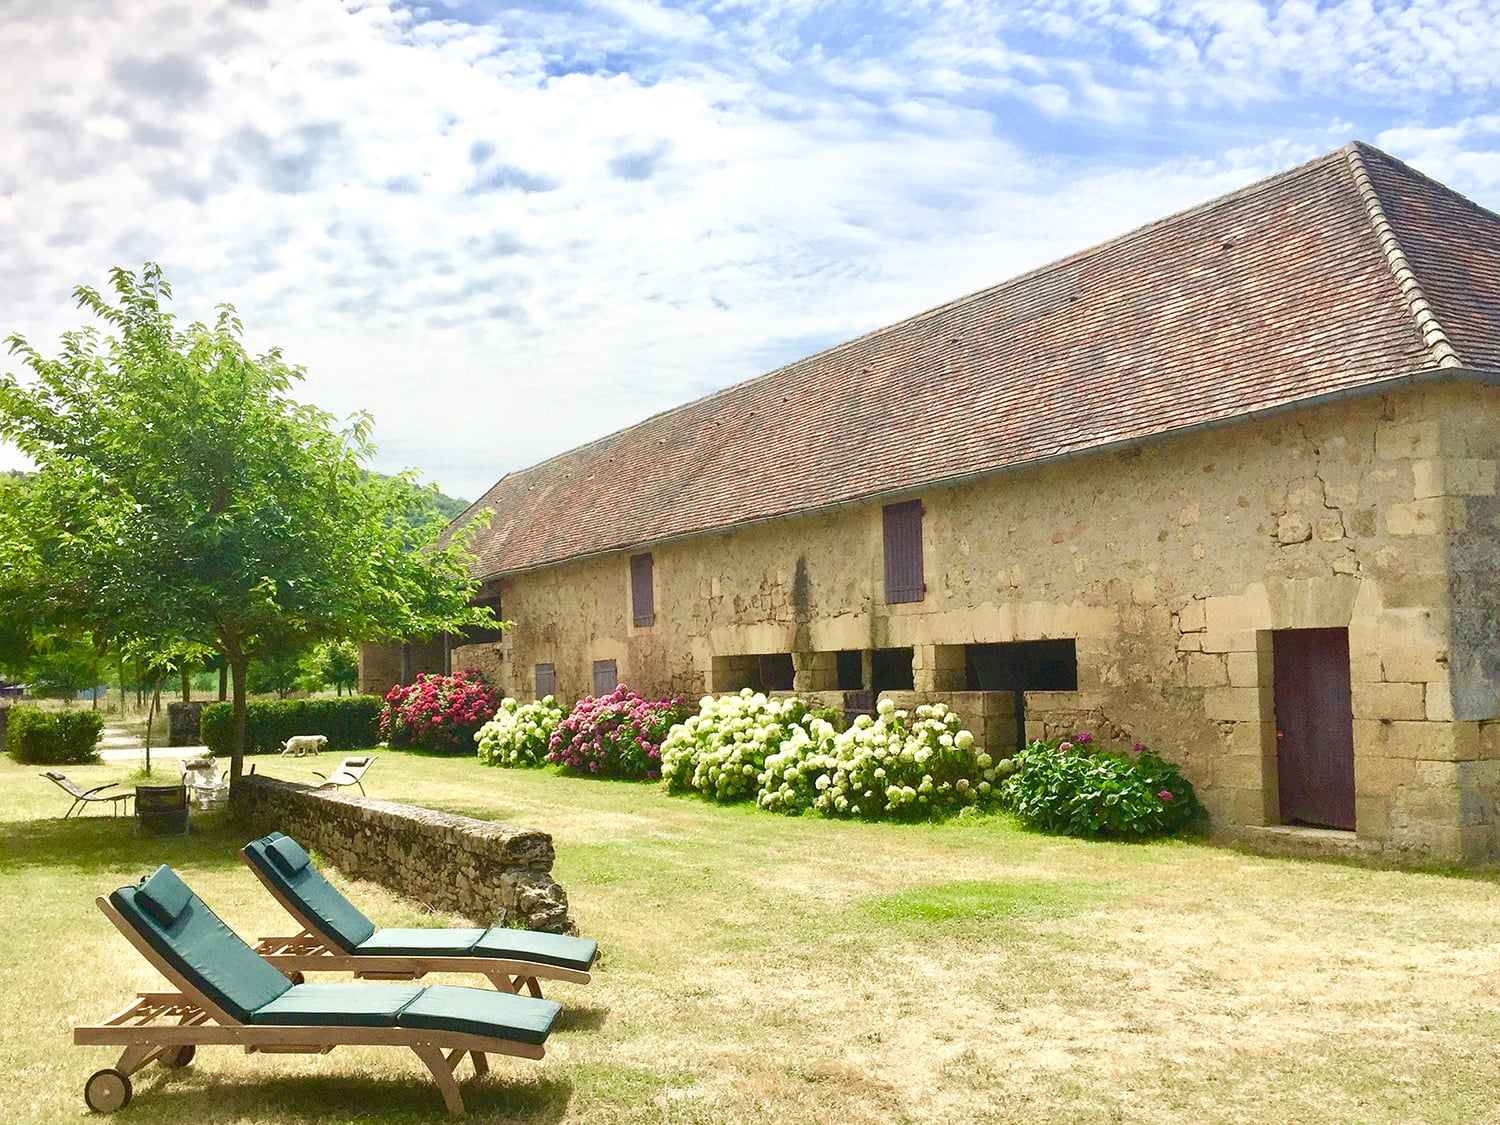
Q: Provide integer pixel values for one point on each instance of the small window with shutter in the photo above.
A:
(903, 553)
(642, 594)
(546, 680)
(606, 677)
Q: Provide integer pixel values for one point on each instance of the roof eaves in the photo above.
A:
(1434, 338)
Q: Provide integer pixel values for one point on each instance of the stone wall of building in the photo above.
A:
(1169, 566)
(492, 873)
(1463, 484)
(384, 665)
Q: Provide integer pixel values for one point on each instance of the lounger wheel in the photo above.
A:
(107, 1090)
(178, 1056)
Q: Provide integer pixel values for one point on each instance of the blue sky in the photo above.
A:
(507, 230)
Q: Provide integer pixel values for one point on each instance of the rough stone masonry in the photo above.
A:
(478, 869)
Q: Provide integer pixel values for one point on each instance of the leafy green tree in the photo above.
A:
(182, 497)
(280, 669)
(335, 664)
(63, 671)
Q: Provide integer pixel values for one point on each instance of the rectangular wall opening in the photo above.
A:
(1019, 667)
(769, 671)
(851, 670)
(891, 670)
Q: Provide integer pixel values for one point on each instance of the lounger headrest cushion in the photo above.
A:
(288, 855)
(163, 895)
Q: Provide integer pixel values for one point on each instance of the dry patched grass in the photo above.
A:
(763, 969)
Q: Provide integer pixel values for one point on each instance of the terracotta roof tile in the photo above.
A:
(1285, 290)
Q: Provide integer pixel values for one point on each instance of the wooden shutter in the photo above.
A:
(642, 595)
(606, 678)
(546, 680)
(903, 553)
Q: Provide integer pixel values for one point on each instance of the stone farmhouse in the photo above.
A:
(1225, 485)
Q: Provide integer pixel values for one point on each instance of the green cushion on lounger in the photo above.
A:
(478, 1011)
(419, 943)
(338, 1005)
(535, 945)
(163, 895)
(287, 854)
(199, 946)
(336, 915)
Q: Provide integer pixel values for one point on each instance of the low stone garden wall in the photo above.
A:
(492, 873)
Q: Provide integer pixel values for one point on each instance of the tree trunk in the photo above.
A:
(239, 667)
(187, 684)
(151, 719)
(223, 682)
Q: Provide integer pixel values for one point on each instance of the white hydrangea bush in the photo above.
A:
(798, 774)
(721, 751)
(519, 733)
(896, 765)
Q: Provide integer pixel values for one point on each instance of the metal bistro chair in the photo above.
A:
(161, 809)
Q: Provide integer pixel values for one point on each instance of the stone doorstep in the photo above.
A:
(1297, 842)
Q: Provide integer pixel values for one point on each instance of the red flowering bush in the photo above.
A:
(615, 735)
(437, 713)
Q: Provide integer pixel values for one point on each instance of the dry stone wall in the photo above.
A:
(483, 870)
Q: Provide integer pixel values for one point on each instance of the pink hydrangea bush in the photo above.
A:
(439, 714)
(615, 735)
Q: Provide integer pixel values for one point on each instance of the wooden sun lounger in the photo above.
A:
(351, 943)
(169, 1026)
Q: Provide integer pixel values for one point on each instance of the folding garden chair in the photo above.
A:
(336, 936)
(350, 770)
(82, 798)
(226, 994)
(206, 785)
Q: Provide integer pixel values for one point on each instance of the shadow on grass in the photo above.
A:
(108, 843)
(197, 1094)
(580, 1018)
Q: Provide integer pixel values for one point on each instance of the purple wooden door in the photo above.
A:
(1314, 727)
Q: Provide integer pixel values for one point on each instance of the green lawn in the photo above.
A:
(763, 969)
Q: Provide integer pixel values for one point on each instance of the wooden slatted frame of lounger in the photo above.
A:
(136, 1029)
(315, 951)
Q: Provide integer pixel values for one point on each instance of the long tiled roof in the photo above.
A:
(1347, 270)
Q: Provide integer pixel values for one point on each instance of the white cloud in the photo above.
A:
(505, 239)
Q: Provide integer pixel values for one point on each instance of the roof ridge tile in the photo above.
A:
(1433, 335)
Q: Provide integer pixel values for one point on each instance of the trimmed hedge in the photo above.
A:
(350, 723)
(53, 738)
